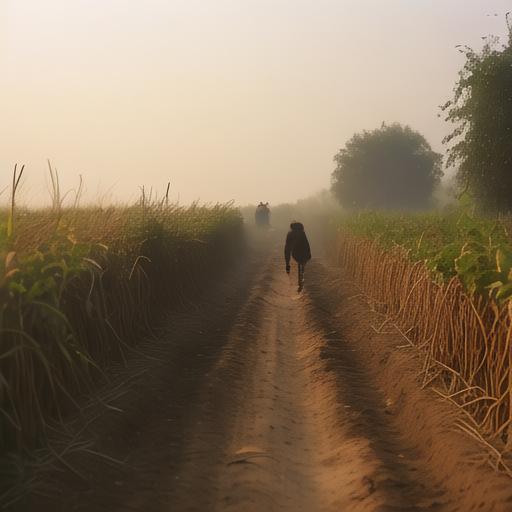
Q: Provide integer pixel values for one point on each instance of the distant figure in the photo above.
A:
(297, 245)
(262, 215)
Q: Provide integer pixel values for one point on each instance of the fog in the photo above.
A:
(243, 100)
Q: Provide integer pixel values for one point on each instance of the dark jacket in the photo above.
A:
(297, 244)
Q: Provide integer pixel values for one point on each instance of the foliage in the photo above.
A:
(475, 249)
(391, 167)
(79, 287)
(481, 143)
(465, 339)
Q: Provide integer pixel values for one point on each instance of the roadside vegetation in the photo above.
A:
(444, 283)
(79, 287)
(443, 279)
(475, 249)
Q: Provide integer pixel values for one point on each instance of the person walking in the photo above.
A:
(297, 246)
(262, 215)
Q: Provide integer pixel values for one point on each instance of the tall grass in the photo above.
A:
(16, 177)
(80, 286)
(411, 268)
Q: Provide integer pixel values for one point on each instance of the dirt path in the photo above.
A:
(295, 440)
(265, 407)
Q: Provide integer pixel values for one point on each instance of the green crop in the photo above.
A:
(475, 249)
(79, 287)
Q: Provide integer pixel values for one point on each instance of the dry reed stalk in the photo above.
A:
(16, 177)
(467, 339)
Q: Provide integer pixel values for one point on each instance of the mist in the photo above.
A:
(226, 100)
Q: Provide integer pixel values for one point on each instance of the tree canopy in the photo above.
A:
(481, 143)
(392, 167)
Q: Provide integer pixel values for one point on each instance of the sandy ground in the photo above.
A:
(261, 399)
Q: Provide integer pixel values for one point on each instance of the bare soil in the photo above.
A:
(258, 398)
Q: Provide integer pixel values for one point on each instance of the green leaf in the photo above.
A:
(40, 288)
(505, 292)
(504, 259)
(488, 279)
(17, 288)
(466, 262)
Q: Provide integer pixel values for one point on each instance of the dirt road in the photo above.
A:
(255, 400)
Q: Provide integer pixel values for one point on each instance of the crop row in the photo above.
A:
(477, 250)
(443, 281)
(79, 287)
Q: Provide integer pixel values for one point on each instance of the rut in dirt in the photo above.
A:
(268, 409)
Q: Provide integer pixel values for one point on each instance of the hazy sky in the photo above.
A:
(227, 99)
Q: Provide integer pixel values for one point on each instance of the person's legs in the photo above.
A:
(301, 276)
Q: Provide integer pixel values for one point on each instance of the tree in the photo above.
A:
(391, 167)
(481, 143)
